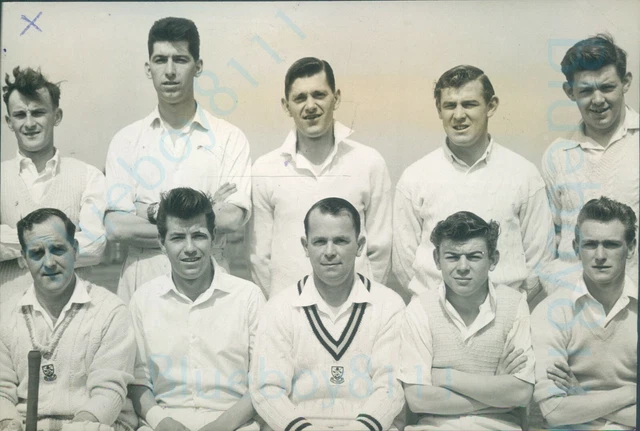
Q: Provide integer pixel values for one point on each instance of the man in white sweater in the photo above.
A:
(83, 332)
(327, 346)
(585, 333)
(317, 159)
(466, 356)
(40, 177)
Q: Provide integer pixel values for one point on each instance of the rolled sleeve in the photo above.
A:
(377, 218)
(260, 233)
(142, 375)
(520, 338)
(237, 169)
(8, 383)
(92, 236)
(120, 186)
(407, 231)
(111, 369)
(416, 357)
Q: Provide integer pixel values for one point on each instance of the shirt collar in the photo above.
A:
(442, 293)
(340, 133)
(53, 162)
(579, 139)
(454, 159)
(219, 282)
(311, 296)
(79, 296)
(630, 289)
(154, 120)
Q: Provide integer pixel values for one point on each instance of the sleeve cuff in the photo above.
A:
(370, 422)
(8, 410)
(105, 409)
(298, 424)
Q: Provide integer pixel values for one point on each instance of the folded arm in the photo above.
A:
(575, 409)
(439, 401)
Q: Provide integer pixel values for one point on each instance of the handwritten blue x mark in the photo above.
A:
(32, 23)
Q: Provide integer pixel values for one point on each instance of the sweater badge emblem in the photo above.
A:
(49, 373)
(337, 374)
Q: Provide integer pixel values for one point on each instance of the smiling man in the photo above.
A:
(585, 334)
(470, 171)
(466, 356)
(327, 346)
(82, 331)
(195, 327)
(600, 156)
(316, 160)
(178, 145)
(40, 177)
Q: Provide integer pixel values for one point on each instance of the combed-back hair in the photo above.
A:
(305, 67)
(459, 76)
(463, 226)
(604, 209)
(592, 54)
(40, 216)
(27, 82)
(171, 29)
(335, 207)
(184, 203)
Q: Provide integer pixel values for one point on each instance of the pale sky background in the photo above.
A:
(386, 57)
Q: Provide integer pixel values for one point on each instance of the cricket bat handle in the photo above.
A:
(35, 357)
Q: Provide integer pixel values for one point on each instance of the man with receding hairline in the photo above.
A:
(318, 159)
(40, 177)
(471, 171)
(178, 145)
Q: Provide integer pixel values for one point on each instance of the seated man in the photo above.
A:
(327, 346)
(83, 332)
(466, 356)
(194, 328)
(585, 337)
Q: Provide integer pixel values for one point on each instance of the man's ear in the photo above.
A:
(147, 70)
(436, 258)
(631, 248)
(8, 120)
(162, 247)
(626, 82)
(493, 106)
(285, 106)
(305, 244)
(76, 248)
(568, 90)
(199, 66)
(58, 116)
(338, 96)
(362, 240)
(494, 258)
(576, 246)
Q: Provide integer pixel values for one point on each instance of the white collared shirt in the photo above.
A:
(286, 185)
(577, 169)
(90, 231)
(501, 185)
(195, 354)
(416, 354)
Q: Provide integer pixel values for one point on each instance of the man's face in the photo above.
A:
(50, 257)
(188, 246)
(332, 247)
(465, 114)
(465, 265)
(173, 69)
(311, 104)
(599, 95)
(603, 250)
(33, 120)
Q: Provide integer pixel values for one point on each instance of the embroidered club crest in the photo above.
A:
(49, 373)
(337, 375)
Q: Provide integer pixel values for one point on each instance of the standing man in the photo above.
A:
(471, 172)
(600, 157)
(178, 144)
(317, 160)
(194, 328)
(466, 357)
(585, 337)
(40, 177)
(82, 331)
(327, 347)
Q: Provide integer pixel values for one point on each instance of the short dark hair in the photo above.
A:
(40, 216)
(335, 207)
(27, 82)
(463, 226)
(184, 203)
(459, 76)
(592, 54)
(173, 29)
(305, 67)
(605, 210)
